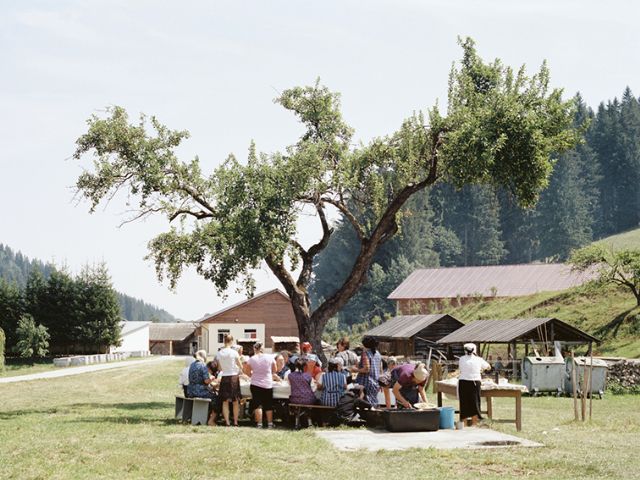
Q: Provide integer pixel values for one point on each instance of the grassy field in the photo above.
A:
(608, 313)
(15, 367)
(18, 366)
(119, 424)
(630, 239)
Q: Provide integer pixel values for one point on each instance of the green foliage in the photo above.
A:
(500, 129)
(33, 340)
(621, 267)
(81, 314)
(98, 312)
(616, 388)
(11, 309)
(16, 269)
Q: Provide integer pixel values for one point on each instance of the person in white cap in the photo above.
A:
(469, 382)
(408, 384)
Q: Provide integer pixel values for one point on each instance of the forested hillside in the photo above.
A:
(593, 192)
(16, 268)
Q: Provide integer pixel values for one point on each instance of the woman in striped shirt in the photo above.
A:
(332, 384)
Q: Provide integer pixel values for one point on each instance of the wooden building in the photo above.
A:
(266, 315)
(415, 335)
(173, 338)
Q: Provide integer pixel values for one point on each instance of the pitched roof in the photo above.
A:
(405, 326)
(242, 303)
(498, 281)
(170, 331)
(517, 329)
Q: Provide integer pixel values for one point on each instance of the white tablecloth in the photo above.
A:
(282, 391)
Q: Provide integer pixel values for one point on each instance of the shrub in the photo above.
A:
(33, 340)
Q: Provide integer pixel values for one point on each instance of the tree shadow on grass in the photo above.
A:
(611, 328)
(147, 412)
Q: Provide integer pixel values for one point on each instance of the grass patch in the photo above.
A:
(119, 424)
(621, 241)
(21, 366)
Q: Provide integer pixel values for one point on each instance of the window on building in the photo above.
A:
(250, 333)
(221, 333)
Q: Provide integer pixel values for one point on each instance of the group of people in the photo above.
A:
(350, 382)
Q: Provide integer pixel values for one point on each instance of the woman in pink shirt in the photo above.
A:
(263, 368)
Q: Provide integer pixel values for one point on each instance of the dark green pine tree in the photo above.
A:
(473, 213)
(565, 221)
(56, 309)
(605, 141)
(35, 296)
(11, 309)
(519, 231)
(630, 146)
(569, 207)
(98, 311)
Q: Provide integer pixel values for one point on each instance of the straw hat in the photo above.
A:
(470, 347)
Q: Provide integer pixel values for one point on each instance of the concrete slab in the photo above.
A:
(373, 440)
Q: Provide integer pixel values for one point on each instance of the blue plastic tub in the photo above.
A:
(447, 418)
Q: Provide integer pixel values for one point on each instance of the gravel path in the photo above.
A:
(66, 371)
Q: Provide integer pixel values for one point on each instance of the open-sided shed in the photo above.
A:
(519, 331)
(414, 335)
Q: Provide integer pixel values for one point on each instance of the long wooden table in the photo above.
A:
(488, 394)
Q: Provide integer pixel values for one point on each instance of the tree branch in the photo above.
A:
(308, 255)
(199, 215)
(340, 205)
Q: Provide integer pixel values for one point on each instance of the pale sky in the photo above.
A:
(214, 67)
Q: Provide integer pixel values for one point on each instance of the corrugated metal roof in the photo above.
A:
(506, 331)
(241, 303)
(170, 331)
(404, 326)
(498, 280)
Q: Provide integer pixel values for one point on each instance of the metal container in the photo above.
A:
(543, 374)
(411, 420)
(598, 381)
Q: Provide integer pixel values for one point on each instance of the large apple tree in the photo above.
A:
(501, 128)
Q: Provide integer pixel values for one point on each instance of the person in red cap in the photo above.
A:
(314, 365)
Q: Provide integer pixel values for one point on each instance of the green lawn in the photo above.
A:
(15, 366)
(119, 424)
(630, 239)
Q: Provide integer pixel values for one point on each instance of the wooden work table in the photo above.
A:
(488, 394)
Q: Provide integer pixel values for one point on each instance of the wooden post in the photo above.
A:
(170, 347)
(574, 386)
(583, 400)
(590, 379)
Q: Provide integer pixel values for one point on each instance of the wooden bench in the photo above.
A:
(194, 409)
(297, 410)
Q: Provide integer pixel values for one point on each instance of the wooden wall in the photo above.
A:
(273, 310)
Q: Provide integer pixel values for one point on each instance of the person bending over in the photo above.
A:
(408, 384)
